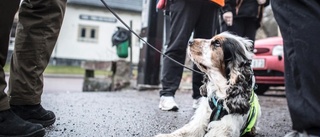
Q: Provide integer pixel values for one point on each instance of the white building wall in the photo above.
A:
(69, 47)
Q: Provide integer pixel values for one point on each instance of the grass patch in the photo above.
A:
(6, 68)
(64, 70)
(74, 70)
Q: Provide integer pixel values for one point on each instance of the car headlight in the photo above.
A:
(277, 50)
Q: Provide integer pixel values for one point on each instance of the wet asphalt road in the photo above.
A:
(132, 113)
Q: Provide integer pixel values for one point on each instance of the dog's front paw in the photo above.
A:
(217, 129)
(220, 129)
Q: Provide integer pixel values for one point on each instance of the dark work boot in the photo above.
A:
(12, 125)
(34, 114)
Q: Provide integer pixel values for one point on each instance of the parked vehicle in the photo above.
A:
(268, 63)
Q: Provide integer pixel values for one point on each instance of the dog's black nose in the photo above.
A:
(191, 42)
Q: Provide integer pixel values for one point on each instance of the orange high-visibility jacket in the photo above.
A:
(219, 2)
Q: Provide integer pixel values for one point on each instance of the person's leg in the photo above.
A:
(37, 31)
(205, 26)
(250, 29)
(298, 21)
(8, 9)
(237, 27)
(183, 16)
(11, 124)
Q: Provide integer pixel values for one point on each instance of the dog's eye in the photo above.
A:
(216, 43)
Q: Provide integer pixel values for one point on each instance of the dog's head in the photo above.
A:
(230, 56)
(220, 53)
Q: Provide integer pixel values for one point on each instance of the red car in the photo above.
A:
(268, 63)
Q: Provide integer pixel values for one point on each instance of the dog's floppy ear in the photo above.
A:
(237, 100)
(234, 54)
(238, 94)
(238, 74)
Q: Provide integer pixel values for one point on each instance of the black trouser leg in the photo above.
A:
(251, 27)
(299, 24)
(237, 26)
(8, 8)
(180, 32)
(196, 83)
(186, 16)
(37, 32)
(245, 27)
(205, 28)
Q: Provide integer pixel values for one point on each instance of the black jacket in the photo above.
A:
(245, 8)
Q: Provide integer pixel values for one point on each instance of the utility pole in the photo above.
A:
(152, 32)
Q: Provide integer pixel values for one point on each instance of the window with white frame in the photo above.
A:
(88, 33)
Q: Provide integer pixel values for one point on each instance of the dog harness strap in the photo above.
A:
(253, 114)
(217, 114)
(217, 109)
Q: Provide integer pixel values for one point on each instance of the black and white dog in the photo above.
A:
(230, 107)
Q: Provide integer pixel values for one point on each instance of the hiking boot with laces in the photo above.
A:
(34, 114)
(12, 125)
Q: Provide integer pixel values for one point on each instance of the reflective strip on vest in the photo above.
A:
(254, 112)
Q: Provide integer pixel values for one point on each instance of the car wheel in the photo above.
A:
(261, 89)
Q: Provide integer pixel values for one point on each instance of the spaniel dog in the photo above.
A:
(229, 108)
